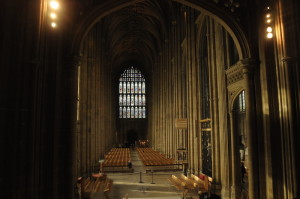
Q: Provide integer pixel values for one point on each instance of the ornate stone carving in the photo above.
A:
(234, 73)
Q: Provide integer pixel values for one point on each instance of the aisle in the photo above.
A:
(139, 185)
(137, 164)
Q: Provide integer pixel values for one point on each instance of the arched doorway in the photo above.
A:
(132, 137)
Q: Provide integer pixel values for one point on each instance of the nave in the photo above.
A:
(216, 81)
(142, 183)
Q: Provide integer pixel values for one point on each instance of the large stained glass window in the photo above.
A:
(132, 94)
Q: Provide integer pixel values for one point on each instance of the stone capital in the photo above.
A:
(249, 61)
(249, 65)
(289, 60)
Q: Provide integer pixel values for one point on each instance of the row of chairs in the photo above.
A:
(186, 184)
(86, 186)
(151, 157)
(117, 157)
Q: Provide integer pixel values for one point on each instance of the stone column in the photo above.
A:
(235, 164)
(65, 142)
(253, 174)
(290, 124)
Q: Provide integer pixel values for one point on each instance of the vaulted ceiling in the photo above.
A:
(135, 33)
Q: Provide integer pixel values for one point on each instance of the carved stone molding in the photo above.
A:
(234, 73)
(233, 91)
(248, 65)
(235, 78)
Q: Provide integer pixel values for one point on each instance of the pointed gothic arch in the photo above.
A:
(208, 8)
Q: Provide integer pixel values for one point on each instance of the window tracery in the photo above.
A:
(132, 94)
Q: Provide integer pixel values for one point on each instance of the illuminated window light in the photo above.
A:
(268, 15)
(270, 35)
(269, 29)
(54, 4)
(53, 15)
(53, 24)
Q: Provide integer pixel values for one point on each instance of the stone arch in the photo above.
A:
(234, 96)
(208, 8)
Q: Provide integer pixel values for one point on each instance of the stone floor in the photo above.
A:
(142, 185)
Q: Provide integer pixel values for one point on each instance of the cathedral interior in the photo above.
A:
(208, 84)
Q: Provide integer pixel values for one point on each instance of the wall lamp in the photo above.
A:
(268, 22)
(54, 7)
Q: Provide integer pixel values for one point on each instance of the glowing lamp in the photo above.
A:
(53, 15)
(54, 4)
(53, 24)
(270, 35)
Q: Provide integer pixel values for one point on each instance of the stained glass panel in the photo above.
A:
(124, 112)
(143, 100)
(120, 100)
(128, 112)
(135, 87)
(140, 87)
(132, 100)
(128, 87)
(124, 87)
(121, 112)
(140, 112)
(120, 87)
(140, 100)
(143, 88)
(144, 112)
(132, 112)
(136, 100)
(132, 87)
(136, 112)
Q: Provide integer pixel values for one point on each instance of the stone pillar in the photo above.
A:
(290, 124)
(288, 77)
(235, 164)
(65, 142)
(253, 174)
